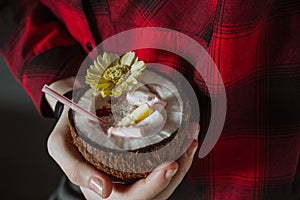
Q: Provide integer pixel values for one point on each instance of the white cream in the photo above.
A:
(142, 94)
(164, 120)
(149, 126)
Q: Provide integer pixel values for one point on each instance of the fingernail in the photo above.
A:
(170, 173)
(96, 185)
(195, 129)
(193, 148)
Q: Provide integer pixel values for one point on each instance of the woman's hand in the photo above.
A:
(67, 156)
(160, 184)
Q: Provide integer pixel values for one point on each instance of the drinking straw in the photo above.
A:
(46, 89)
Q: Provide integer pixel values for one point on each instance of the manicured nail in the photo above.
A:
(170, 173)
(197, 132)
(194, 131)
(96, 185)
(193, 148)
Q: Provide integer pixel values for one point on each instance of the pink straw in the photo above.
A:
(71, 104)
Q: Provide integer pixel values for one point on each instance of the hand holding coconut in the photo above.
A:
(160, 184)
(147, 125)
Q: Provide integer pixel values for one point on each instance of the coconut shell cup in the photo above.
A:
(127, 166)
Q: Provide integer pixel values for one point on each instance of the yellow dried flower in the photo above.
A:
(111, 75)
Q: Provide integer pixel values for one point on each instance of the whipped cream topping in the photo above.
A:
(142, 94)
(165, 119)
(145, 128)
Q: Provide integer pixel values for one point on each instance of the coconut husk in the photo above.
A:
(130, 166)
(125, 167)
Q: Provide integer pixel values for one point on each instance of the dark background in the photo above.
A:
(27, 171)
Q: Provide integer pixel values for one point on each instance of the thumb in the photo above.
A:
(73, 164)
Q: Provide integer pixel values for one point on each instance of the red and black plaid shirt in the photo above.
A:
(255, 44)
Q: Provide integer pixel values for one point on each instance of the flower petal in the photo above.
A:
(93, 71)
(100, 63)
(108, 90)
(93, 76)
(118, 89)
(103, 84)
(140, 65)
(136, 74)
(109, 58)
(127, 58)
(132, 80)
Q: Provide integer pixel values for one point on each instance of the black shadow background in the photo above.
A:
(27, 171)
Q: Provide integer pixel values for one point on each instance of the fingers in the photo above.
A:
(143, 189)
(71, 162)
(185, 162)
(156, 182)
(162, 182)
(89, 195)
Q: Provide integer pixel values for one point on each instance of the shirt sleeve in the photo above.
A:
(37, 48)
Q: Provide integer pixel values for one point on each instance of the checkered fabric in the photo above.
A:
(255, 44)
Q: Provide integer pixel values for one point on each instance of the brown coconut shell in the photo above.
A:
(130, 166)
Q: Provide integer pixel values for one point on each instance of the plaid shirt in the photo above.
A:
(255, 44)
